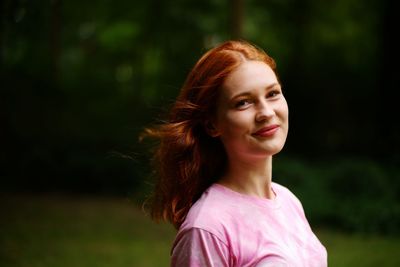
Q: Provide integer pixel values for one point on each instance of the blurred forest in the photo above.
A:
(80, 80)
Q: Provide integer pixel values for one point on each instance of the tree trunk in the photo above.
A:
(55, 38)
(236, 18)
(388, 140)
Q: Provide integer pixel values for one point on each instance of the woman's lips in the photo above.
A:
(267, 131)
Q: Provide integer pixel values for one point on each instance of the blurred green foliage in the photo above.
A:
(354, 194)
(80, 81)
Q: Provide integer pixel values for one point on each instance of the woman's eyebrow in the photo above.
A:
(273, 85)
(247, 93)
(240, 95)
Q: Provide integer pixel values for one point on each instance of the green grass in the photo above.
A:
(55, 231)
(360, 250)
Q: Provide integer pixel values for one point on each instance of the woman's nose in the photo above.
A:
(264, 111)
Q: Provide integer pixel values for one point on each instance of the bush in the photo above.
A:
(351, 194)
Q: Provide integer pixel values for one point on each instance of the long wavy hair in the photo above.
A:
(187, 159)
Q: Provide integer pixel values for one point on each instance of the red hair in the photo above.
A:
(189, 160)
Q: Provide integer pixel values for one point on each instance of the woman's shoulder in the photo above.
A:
(212, 204)
(280, 187)
(286, 195)
(212, 212)
(282, 190)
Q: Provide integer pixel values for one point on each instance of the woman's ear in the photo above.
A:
(210, 129)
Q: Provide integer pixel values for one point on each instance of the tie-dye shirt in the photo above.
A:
(225, 228)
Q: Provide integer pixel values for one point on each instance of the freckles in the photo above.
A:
(283, 111)
(233, 125)
(238, 120)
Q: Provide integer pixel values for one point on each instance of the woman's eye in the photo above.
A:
(242, 103)
(273, 93)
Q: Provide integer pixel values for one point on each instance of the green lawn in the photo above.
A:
(54, 231)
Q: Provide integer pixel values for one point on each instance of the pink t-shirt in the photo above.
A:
(226, 228)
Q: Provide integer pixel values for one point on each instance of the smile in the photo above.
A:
(266, 131)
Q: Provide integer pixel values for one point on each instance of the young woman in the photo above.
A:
(215, 167)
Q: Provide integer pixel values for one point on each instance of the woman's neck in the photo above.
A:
(250, 177)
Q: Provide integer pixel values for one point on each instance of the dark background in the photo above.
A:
(80, 81)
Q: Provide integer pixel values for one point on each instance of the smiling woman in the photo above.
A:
(252, 114)
(215, 167)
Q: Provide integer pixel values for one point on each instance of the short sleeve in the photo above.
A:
(199, 248)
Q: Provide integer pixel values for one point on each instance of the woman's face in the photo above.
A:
(252, 113)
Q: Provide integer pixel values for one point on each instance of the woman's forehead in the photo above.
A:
(249, 76)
